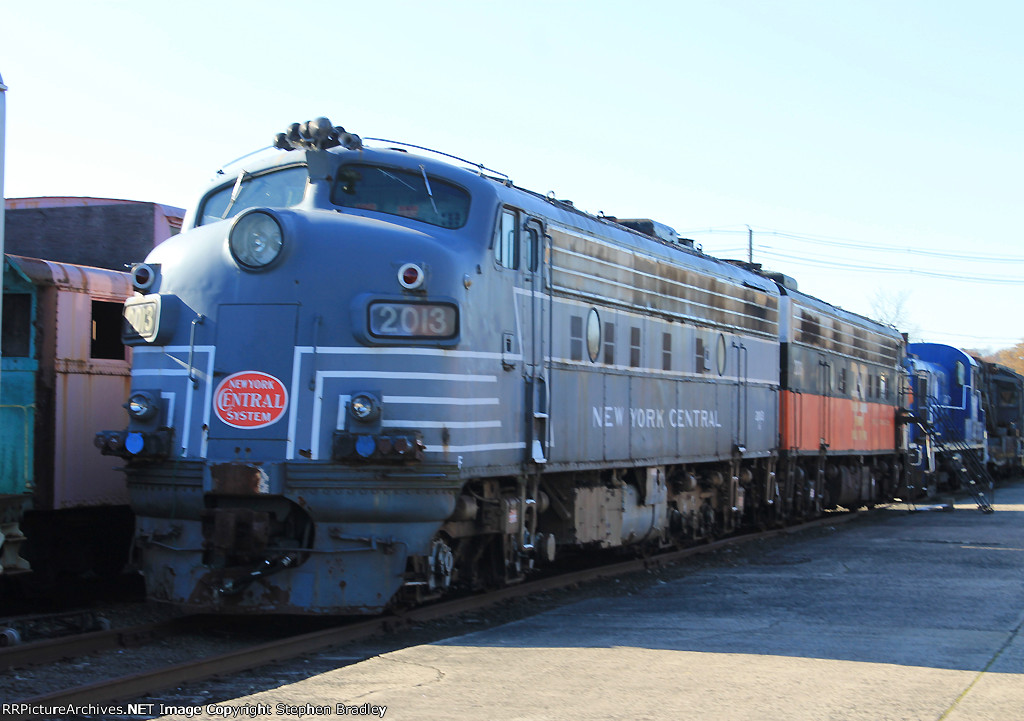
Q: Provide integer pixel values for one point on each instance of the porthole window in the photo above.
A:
(593, 335)
(721, 354)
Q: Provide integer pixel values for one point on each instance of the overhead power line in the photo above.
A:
(909, 262)
(1001, 340)
(903, 270)
(925, 252)
(767, 251)
(858, 245)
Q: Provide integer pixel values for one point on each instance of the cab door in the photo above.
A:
(742, 388)
(520, 248)
(536, 308)
(826, 374)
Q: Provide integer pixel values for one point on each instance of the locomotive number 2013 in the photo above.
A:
(413, 320)
(141, 319)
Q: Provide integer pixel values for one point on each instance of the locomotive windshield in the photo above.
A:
(281, 188)
(401, 192)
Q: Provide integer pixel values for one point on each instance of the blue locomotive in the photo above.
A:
(948, 434)
(364, 375)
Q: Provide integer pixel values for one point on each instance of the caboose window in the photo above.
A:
(106, 330)
(281, 188)
(17, 325)
(409, 194)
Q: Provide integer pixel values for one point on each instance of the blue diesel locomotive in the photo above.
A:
(947, 436)
(364, 374)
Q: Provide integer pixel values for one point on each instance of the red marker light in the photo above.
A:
(410, 276)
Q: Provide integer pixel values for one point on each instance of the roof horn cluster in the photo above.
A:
(317, 134)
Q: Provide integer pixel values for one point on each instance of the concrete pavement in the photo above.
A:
(894, 616)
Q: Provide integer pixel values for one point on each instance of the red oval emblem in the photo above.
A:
(250, 399)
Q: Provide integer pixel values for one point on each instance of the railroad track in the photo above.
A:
(139, 684)
(83, 644)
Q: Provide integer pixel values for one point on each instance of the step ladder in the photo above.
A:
(969, 470)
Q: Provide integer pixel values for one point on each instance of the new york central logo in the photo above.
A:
(250, 399)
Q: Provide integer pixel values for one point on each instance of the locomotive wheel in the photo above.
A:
(442, 563)
(9, 637)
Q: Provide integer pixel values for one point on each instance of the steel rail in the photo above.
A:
(148, 682)
(83, 644)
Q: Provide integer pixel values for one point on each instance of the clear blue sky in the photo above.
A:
(843, 134)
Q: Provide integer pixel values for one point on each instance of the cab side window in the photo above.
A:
(506, 248)
(531, 246)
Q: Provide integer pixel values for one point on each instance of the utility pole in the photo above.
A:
(750, 245)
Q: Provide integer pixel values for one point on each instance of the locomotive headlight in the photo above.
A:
(142, 406)
(364, 408)
(255, 240)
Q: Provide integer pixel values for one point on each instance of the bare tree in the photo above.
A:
(889, 305)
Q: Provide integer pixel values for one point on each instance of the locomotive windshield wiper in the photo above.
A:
(430, 193)
(395, 178)
(236, 191)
